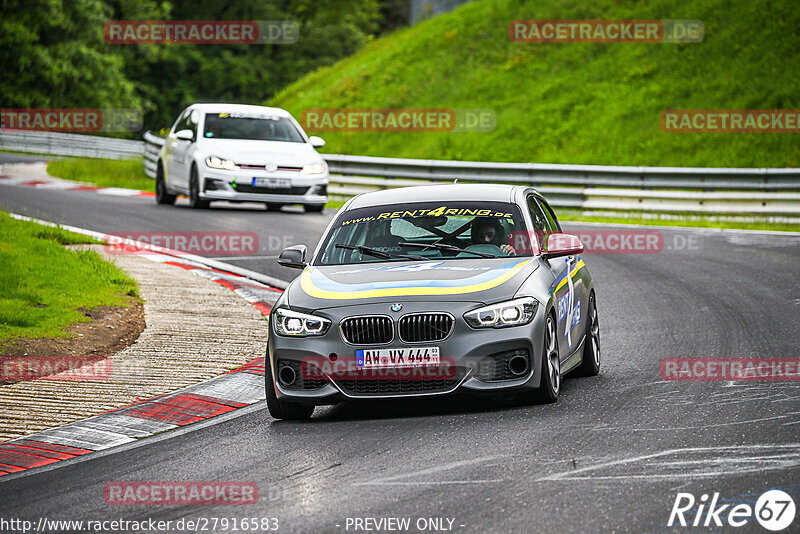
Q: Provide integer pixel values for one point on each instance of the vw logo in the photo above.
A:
(271, 167)
(396, 307)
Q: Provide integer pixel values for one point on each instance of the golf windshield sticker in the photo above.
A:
(316, 284)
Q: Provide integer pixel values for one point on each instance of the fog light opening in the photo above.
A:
(518, 365)
(287, 376)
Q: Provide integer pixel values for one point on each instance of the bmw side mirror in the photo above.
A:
(316, 142)
(562, 245)
(184, 135)
(294, 257)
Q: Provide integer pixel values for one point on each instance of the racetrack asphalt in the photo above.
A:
(611, 455)
(15, 157)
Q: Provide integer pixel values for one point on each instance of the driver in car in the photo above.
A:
(489, 231)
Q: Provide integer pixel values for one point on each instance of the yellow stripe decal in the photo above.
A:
(308, 286)
(575, 270)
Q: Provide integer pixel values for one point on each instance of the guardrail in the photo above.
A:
(64, 144)
(760, 192)
(574, 175)
(707, 191)
(152, 147)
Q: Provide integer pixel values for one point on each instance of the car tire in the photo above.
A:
(550, 369)
(279, 408)
(162, 195)
(314, 208)
(590, 365)
(195, 201)
(274, 206)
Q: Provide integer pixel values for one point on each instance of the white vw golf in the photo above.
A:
(241, 153)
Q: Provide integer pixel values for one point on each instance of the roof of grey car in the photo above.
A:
(435, 193)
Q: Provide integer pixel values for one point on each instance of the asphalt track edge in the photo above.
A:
(221, 398)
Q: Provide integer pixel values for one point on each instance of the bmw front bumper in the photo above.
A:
(479, 357)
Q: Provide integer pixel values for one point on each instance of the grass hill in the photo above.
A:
(573, 103)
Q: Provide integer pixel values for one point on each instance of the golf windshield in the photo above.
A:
(254, 127)
(425, 230)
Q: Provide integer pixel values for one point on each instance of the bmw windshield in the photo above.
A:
(425, 230)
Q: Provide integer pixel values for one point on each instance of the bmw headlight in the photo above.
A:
(292, 323)
(314, 168)
(219, 163)
(512, 313)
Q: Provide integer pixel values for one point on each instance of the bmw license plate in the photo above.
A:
(400, 357)
(272, 183)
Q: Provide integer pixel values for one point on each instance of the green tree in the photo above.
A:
(172, 76)
(52, 54)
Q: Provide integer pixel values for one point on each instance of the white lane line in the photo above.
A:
(395, 480)
(721, 461)
(239, 258)
(431, 483)
(117, 192)
(595, 428)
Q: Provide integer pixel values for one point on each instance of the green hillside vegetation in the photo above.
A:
(573, 103)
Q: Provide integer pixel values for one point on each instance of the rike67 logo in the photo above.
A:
(774, 510)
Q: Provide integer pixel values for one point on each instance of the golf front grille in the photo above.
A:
(367, 330)
(296, 190)
(425, 327)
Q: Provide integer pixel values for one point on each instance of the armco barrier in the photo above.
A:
(65, 144)
(152, 147)
(755, 192)
(701, 191)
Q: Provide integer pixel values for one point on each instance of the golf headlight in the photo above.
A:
(512, 313)
(314, 168)
(292, 323)
(218, 163)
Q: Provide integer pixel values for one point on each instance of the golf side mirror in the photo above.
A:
(184, 135)
(316, 142)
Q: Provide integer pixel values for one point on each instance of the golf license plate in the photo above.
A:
(273, 183)
(399, 357)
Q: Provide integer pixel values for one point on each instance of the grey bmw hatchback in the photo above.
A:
(432, 290)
